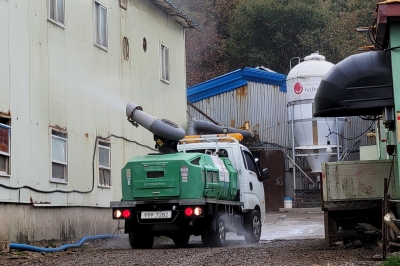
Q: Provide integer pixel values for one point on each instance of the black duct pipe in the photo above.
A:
(215, 129)
(361, 84)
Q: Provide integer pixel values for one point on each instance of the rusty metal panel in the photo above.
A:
(274, 187)
(356, 180)
(260, 107)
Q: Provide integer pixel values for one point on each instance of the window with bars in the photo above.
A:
(59, 166)
(100, 18)
(5, 146)
(104, 163)
(164, 63)
(57, 12)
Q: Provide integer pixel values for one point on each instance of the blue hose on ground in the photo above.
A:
(63, 247)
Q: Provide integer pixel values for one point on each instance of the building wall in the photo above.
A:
(55, 77)
(263, 106)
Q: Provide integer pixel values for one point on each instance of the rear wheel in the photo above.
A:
(253, 227)
(181, 239)
(217, 238)
(143, 240)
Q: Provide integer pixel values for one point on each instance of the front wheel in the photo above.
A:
(143, 240)
(253, 227)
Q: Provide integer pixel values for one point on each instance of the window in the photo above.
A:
(164, 63)
(59, 156)
(5, 143)
(250, 163)
(100, 15)
(57, 12)
(104, 164)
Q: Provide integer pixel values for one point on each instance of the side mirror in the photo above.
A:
(264, 174)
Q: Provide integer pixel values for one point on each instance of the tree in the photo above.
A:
(233, 34)
(338, 39)
(270, 32)
(203, 44)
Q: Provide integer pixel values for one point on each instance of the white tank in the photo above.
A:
(312, 134)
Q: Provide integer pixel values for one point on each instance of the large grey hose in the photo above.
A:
(161, 127)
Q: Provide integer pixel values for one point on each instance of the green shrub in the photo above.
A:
(391, 261)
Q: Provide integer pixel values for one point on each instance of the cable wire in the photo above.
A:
(93, 171)
(340, 135)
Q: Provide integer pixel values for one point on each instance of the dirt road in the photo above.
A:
(287, 239)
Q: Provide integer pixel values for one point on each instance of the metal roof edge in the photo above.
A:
(173, 11)
(230, 86)
(266, 77)
(215, 82)
(233, 80)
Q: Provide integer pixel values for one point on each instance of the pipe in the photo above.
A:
(295, 164)
(191, 128)
(361, 84)
(201, 112)
(293, 150)
(214, 129)
(337, 140)
(63, 247)
(161, 127)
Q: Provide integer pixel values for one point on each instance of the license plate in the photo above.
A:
(156, 215)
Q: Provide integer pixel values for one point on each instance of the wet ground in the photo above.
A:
(288, 238)
(285, 225)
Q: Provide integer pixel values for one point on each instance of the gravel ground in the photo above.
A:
(298, 241)
(274, 252)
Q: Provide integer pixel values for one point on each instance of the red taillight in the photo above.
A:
(126, 213)
(189, 211)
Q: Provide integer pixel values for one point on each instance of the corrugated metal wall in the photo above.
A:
(264, 107)
(260, 106)
(353, 130)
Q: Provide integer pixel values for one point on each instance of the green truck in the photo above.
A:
(196, 185)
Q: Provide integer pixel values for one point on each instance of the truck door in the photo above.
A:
(254, 188)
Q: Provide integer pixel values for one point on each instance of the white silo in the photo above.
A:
(313, 135)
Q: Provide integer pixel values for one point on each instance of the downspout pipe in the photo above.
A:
(61, 248)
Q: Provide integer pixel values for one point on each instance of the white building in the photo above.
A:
(67, 70)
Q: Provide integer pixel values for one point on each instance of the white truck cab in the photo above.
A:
(249, 175)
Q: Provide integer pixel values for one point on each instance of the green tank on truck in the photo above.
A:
(196, 185)
(179, 176)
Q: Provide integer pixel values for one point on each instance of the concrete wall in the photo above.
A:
(28, 224)
(55, 77)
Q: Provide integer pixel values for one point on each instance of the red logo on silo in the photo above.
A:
(298, 88)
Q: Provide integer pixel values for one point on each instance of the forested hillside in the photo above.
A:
(232, 34)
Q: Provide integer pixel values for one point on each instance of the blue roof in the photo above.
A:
(234, 80)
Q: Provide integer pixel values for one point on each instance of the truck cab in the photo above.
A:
(250, 178)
